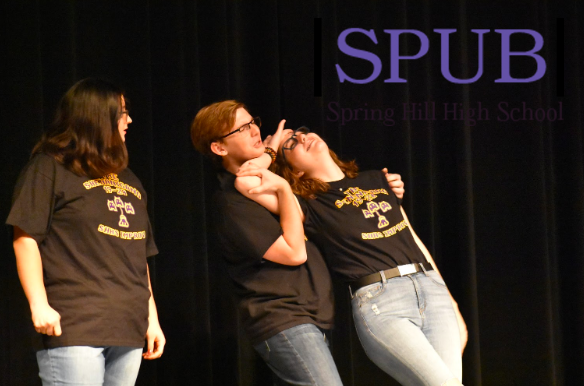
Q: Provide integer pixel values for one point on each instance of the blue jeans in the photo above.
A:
(408, 328)
(89, 366)
(300, 355)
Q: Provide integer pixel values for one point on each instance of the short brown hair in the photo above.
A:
(309, 187)
(212, 122)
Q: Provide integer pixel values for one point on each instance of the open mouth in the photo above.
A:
(309, 145)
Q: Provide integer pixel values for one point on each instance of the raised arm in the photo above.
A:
(461, 323)
(244, 184)
(272, 141)
(30, 271)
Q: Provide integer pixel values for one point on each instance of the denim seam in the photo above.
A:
(53, 374)
(300, 358)
(268, 350)
(421, 300)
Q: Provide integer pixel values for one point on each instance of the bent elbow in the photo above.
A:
(244, 184)
(299, 258)
(239, 184)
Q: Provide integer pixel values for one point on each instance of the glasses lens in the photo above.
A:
(257, 121)
(289, 144)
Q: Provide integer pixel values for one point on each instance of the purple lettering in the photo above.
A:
(506, 53)
(356, 53)
(395, 56)
(445, 55)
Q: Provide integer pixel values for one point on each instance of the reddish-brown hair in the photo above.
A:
(310, 187)
(84, 135)
(212, 122)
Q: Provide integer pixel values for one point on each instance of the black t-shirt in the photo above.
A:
(358, 226)
(271, 297)
(94, 236)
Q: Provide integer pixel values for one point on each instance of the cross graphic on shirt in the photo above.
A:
(374, 208)
(126, 207)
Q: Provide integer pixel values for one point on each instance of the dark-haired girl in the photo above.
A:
(81, 239)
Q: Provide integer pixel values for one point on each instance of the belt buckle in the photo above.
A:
(406, 269)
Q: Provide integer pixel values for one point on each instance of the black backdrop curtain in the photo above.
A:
(499, 203)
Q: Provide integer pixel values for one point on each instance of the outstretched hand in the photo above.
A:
(395, 183)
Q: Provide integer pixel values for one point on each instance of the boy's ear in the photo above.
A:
(218, 148)
(299, 173)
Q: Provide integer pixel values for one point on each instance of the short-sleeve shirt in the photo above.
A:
(358, 226)
(94, 236)
(271, 297)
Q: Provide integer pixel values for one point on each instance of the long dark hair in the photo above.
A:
(84, 135)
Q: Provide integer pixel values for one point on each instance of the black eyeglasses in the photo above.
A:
(256, 121)
(291, 142)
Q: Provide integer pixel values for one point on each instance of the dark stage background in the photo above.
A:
(498, 203)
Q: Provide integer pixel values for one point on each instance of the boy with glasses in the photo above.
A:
(283, 287)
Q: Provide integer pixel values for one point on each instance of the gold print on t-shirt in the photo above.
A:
(357, 196)
(386, 233)
(119, 191)
(112, 185)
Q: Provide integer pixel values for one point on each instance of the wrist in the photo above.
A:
(38, 299)
(38, 305)
(271, 153)
(153, 322)
(264, 160)
(284, 189)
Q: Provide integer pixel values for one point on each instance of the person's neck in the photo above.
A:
(328, 172)
(230, 165)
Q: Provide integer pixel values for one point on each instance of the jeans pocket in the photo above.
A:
(436, 279)
(369, 293)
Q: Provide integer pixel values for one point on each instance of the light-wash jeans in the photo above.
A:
(300, 355)
(408, 328)
(89, 366)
